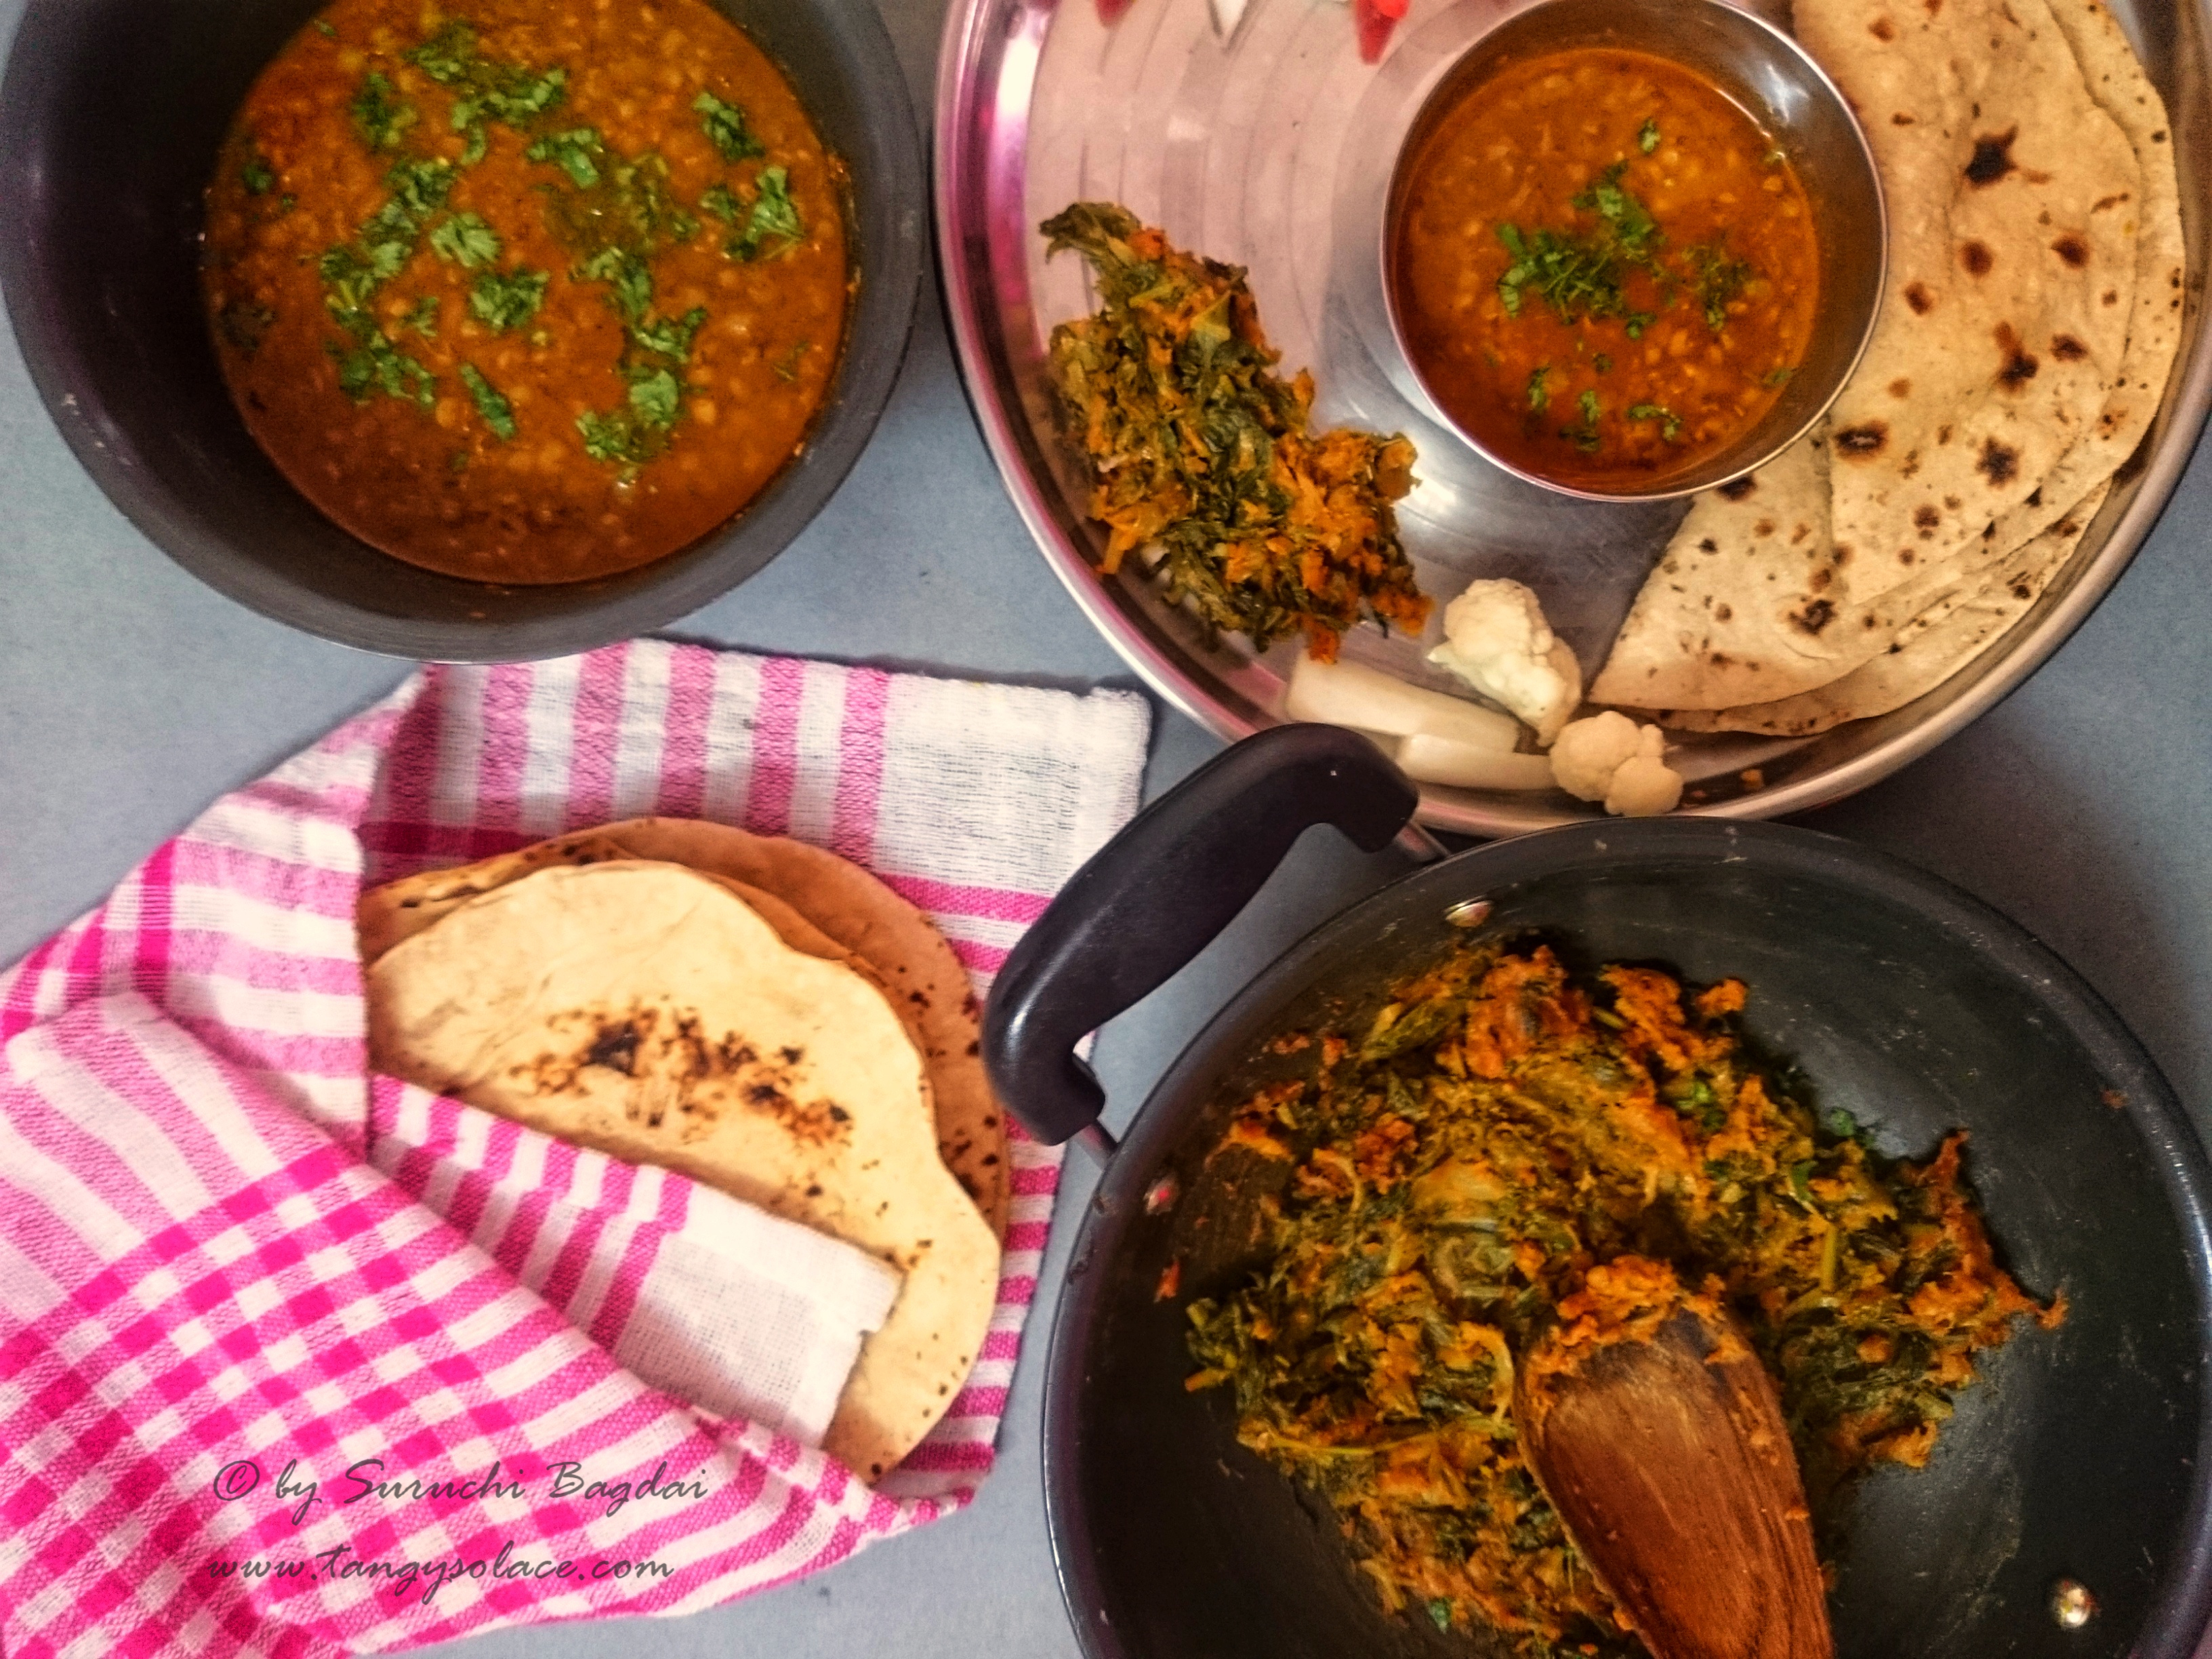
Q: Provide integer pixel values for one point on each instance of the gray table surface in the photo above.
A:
(130, 697)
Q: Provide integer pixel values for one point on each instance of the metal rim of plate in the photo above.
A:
(988, 74)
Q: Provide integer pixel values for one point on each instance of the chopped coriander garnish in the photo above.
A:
(1669, 427)
(1630, 221)
(1584, 433)
(1647, 140)
(576, 153)
(725, 124)
(1538, 395)
(717, 200)
(467, 240)
(419, 188)
(1603, 363)
(257, 175)
(498, 414)
(774, 214)
(486, 89)
(378, 115)
(503, 302)
(787, 366)
(628, 277)
(423, 319)
(1576, 278)
(1774, 377)
(351, 278)
(655, 396)
(327, 29)
(608, 437)
(376, 363)
(1716, 279)
(670, 337)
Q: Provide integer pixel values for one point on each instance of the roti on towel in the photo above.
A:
(646, 1010)
(818, 902)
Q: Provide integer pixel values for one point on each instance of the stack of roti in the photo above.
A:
(2033, 310)
(755, 1013)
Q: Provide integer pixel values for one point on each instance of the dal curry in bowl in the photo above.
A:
(510, 410)
(1631, 251)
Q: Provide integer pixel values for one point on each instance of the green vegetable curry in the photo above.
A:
(1448, 1180)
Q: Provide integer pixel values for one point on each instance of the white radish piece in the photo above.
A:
(1466, 766)
(1351, 694)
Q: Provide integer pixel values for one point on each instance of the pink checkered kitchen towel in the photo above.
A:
(212, 1294)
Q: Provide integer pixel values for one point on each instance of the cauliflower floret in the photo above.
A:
(1609, 758)
(1644, 787)
(1496, 639)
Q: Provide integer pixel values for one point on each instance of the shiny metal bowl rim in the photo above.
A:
(1450, 86)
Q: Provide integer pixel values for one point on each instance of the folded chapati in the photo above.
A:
(646, 1010)
(2032, 320)
(819, 903)
(1926, 651)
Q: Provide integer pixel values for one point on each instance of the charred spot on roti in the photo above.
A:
(1763, 528)
(1925, 519)
(2035, 496)
(1709, 545)
(2022, 591)
(615, 1047)
(1736, 489)
(2019, 364)
(792, 1056)
(2068, 349)
(1859, 442)
(1813, 615)
(1976, 256)
(2105, 203)
(1820, 579)
(1917, 297)
(1998, 463)
(2111, 297)
(1900, 119)
(1900, 387)
(2072, 249)
(1992, 159)
(2132, 467)
(1722, 613)
(1883, 29)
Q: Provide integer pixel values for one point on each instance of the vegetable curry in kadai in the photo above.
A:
(1507, 1150)
(527, 292)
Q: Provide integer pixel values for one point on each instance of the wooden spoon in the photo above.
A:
(1669, 1460)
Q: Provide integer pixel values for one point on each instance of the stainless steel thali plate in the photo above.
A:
(1272, 149)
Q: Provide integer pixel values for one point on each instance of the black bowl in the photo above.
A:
(2082, 1453)
(110, 116)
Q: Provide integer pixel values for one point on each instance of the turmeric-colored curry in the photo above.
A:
(528, 290)
(1603, 271)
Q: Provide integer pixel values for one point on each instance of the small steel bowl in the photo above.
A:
(1770, 77)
